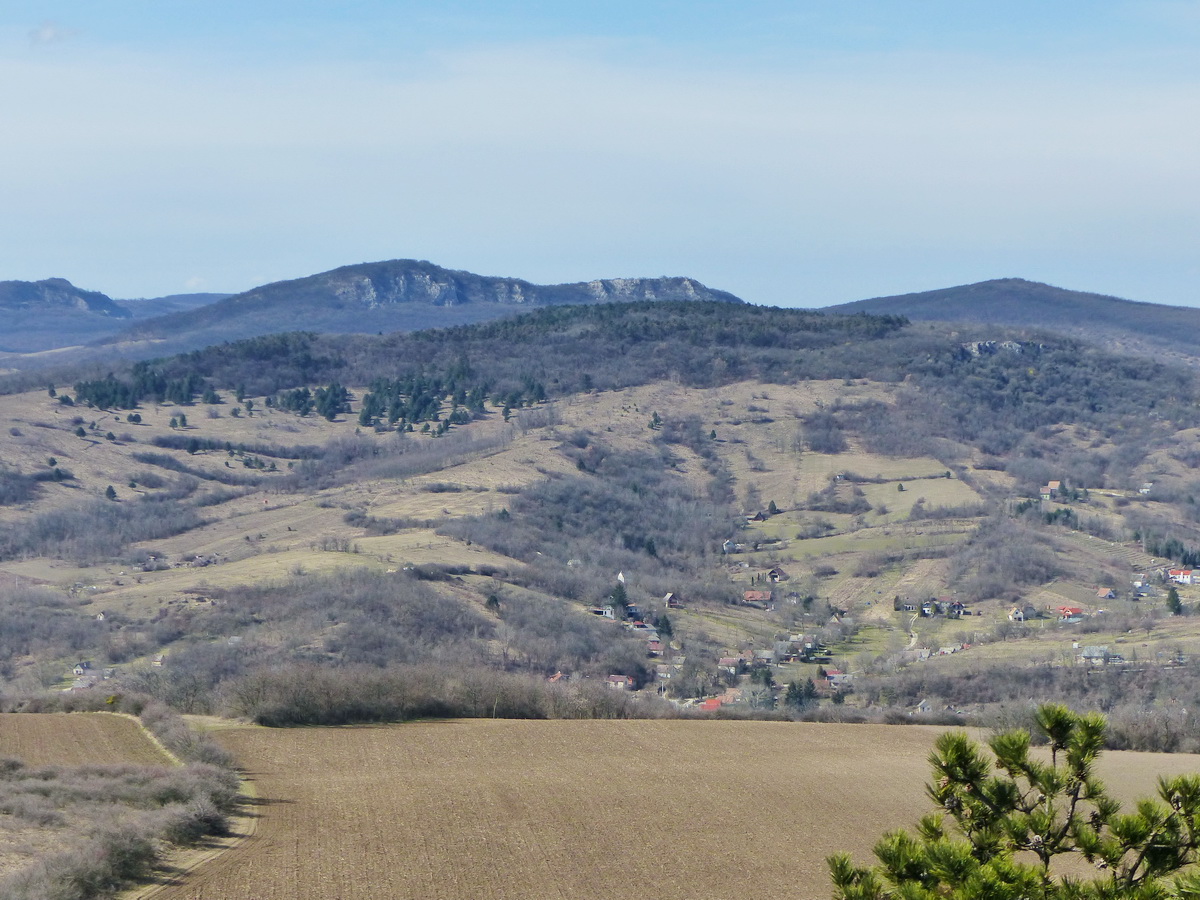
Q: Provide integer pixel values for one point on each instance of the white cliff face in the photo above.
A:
(379, 286)
(357, 289)
(617, 289)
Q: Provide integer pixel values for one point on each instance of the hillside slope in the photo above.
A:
(42, 315)
(1125, 325)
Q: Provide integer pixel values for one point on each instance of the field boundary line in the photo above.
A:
(150, 735)
(177, 865)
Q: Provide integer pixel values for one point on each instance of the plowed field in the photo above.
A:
(597, 810)
(73, 739)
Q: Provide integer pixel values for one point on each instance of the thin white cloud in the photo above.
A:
(51, 33)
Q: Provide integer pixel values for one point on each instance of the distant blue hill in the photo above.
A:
(1125, 325)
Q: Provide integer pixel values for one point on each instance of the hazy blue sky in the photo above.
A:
(799, 153)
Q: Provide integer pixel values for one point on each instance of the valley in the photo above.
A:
(657, 511)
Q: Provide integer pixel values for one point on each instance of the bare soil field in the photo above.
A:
(74, 739)
(569, 809)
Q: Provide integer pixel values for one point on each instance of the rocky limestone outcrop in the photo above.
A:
(375, 285)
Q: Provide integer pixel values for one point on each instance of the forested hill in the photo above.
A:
(967, 387)
(395, 295)
(1124, 325)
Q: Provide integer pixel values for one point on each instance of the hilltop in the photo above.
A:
(49, 315)
(396, 295)
(1127, 326)
(57, 293)
(40, 315)
(49, 323)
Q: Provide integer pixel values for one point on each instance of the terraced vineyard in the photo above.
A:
(566, 809)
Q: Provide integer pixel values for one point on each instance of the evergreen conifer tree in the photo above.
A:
(1013, 813)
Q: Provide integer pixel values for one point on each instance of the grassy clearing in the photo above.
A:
(936, 492)
(877, 540)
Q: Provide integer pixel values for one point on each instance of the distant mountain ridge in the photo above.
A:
(57, 293)
(1126, 326)
(47, 315)
(148, 308)
(396, 295)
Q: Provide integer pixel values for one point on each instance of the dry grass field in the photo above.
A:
(74, 739)
(570, 809)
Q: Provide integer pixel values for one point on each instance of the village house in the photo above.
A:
(1182, 576)
(837, 679)
(757, 598)
(777, 575)
(672, 601)
(620, 682)
(1105, 594)
(730, 664)
(1070, 613)
(1093, 656)
(1022, 614)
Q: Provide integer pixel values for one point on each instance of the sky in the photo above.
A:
(793, 153)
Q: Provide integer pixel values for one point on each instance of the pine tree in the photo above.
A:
(1174, 604)
(620, 599)
(1014, 814)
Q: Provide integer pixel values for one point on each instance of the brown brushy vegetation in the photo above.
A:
(313, 695)
(116, 820)
(1146, 705)
(121, 816)
(99, 530)
(359, 619)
